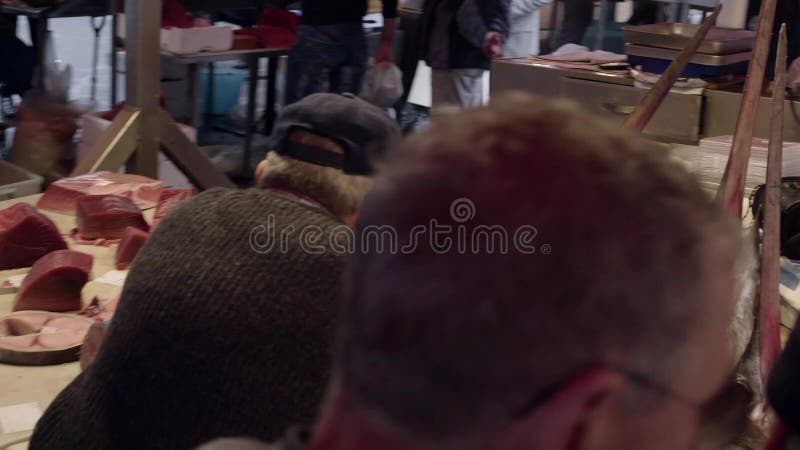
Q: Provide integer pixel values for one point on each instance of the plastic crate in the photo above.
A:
(16, 182)
(227, 87)
(656, 65)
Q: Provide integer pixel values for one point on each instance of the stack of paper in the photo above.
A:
(713, 153)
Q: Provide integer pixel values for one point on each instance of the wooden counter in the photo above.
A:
(41, 384)
(682, 118)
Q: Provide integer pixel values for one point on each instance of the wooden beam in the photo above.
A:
(731, 190)
(769, 288)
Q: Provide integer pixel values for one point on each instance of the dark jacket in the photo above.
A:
(467, 23)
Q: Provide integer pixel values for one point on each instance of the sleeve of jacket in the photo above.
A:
(496, 15)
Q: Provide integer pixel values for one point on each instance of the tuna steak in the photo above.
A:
(55, 282)
(25, 236)
(63, 195)
(107, 216)
(169, 200)
(133, 240)
(41, 338)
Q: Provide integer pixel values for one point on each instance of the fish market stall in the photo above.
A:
(50, 303)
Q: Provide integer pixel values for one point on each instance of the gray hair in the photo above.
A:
(340, 193)
(445, 344)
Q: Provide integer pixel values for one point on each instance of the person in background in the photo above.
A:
(459, 39)
(570, 289)
(17, 62)
(577, 18)
(226, 318)
(524, 37)
(330, 53)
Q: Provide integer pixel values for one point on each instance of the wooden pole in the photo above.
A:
(769, 299)
(640, 117)
(731, 190)
(143, 128)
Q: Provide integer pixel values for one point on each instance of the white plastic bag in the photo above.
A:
(383, 84)
(57, 74)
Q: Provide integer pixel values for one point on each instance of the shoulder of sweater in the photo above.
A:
(246, 202)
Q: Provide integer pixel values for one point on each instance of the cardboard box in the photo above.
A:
(93, 128)
(185, 41)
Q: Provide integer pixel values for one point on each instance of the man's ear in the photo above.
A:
(260, 172)
(571, 418)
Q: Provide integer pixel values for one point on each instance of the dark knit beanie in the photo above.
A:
(216, 333)
(364, 131)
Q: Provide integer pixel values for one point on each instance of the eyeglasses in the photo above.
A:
(722, 418)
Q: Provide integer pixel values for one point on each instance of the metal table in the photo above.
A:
(251, 57)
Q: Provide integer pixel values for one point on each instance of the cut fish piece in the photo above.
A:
(133, 240)
(169, 200)
(101, 310)
(63, 195)
(92, 343)
(41, 338)
(107, 216)
(25, 236)
(55, 282)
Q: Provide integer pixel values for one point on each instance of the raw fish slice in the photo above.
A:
(169, 200)
(62, 195)
(62, 338)
(18, 342)
(101, 310)
(107, 216)
(133, 240)
(55, 282)
(25, 236)
(22, 323)
(56, 339)
(20, 327)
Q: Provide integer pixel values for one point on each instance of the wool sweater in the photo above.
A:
(211, 337)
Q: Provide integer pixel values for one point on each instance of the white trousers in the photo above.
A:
(460, 88)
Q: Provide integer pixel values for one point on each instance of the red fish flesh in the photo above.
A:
(63, 195)
(133, 240)
(25, 236)
(41, 338)
(55, 282)
(169, 200)
(107, 216)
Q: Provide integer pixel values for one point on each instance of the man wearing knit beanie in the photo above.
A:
(226, 318)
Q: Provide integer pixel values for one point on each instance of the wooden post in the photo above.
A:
(650, 103)
(142, 127)
(769, 288)
(731, 190)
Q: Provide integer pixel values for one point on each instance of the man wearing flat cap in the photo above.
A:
(226, 319)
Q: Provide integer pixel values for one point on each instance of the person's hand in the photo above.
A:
(493, 45)
(385, 53)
